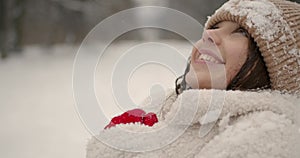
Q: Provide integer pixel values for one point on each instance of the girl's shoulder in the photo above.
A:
(211, 105)
(258, 134)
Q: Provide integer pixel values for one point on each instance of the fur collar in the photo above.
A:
(207, 106)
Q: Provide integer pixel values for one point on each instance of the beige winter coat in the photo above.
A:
(209, 124)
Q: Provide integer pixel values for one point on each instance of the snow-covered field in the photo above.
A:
(38, 113)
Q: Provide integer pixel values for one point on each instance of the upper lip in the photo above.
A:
(211, 53)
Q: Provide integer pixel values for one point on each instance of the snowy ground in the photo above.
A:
(37, 108)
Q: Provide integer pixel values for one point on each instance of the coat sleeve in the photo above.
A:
(260, 134)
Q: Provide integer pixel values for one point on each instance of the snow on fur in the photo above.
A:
(259, 124)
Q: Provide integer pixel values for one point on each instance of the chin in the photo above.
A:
(197, 82)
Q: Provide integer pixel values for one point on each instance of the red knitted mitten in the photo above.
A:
(132, 116)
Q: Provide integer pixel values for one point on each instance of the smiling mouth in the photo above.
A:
(207, 56)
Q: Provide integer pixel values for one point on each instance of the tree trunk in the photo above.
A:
(2, 29)
(17, 23)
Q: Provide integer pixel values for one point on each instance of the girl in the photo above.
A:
(248, 61)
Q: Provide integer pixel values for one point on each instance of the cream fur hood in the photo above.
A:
(208, 124)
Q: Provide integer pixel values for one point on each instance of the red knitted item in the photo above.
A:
(132, 116)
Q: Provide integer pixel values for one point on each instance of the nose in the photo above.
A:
(211, 37)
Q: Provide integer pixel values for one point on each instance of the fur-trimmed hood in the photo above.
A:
(209, 123)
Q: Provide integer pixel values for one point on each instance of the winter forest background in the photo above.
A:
(38, 44)
(48, 22)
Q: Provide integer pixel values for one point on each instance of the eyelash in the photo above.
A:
(214, 27)
(239, 30)
(243, 31)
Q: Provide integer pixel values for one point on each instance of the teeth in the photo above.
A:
(208, 58)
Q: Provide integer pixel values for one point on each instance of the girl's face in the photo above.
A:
(218, 56)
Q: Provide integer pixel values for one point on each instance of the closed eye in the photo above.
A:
(214, 27)
(242, 31)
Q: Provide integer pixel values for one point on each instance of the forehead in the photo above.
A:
(228, 24)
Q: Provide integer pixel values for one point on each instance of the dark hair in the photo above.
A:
(253, 74)
(180, 87)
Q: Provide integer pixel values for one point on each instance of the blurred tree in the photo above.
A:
(11, 16)
(17, 24)
(49, 22)
(198, 9)
(2, 29)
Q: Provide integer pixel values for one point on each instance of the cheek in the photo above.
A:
(236, 60)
